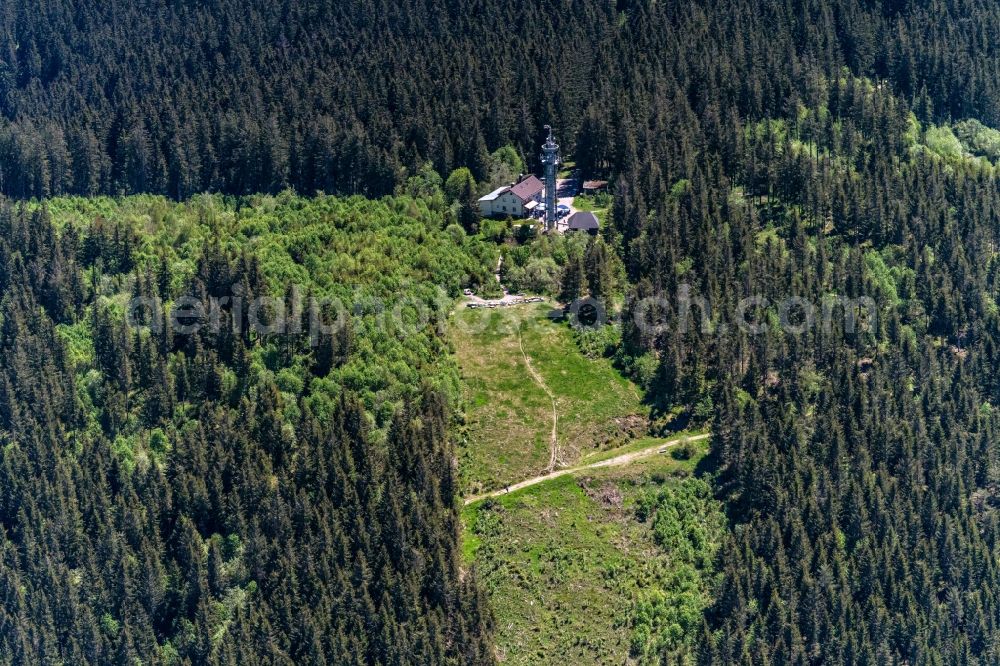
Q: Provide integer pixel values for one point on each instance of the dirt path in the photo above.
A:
(554, 437)
(617, 461)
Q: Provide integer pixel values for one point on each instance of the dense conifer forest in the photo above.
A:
(350, 97)
(228, 497)
(235, 498)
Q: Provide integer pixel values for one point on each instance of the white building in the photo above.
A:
(514, 201)
(488, 203)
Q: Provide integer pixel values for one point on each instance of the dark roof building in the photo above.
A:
(583, 221)
(528, 189)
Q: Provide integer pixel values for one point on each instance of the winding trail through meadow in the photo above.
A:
(617, 461)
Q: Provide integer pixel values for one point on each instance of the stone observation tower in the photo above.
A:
(550, 164)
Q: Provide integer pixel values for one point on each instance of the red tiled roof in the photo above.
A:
(527, 189)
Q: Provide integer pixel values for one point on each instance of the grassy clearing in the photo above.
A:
(599, 205)
(565, 562)
(509, 415)
(573, 575)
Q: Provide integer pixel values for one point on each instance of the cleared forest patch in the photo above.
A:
(568, 562)
(509, 414)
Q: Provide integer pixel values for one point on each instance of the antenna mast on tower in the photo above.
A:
(550, 163)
